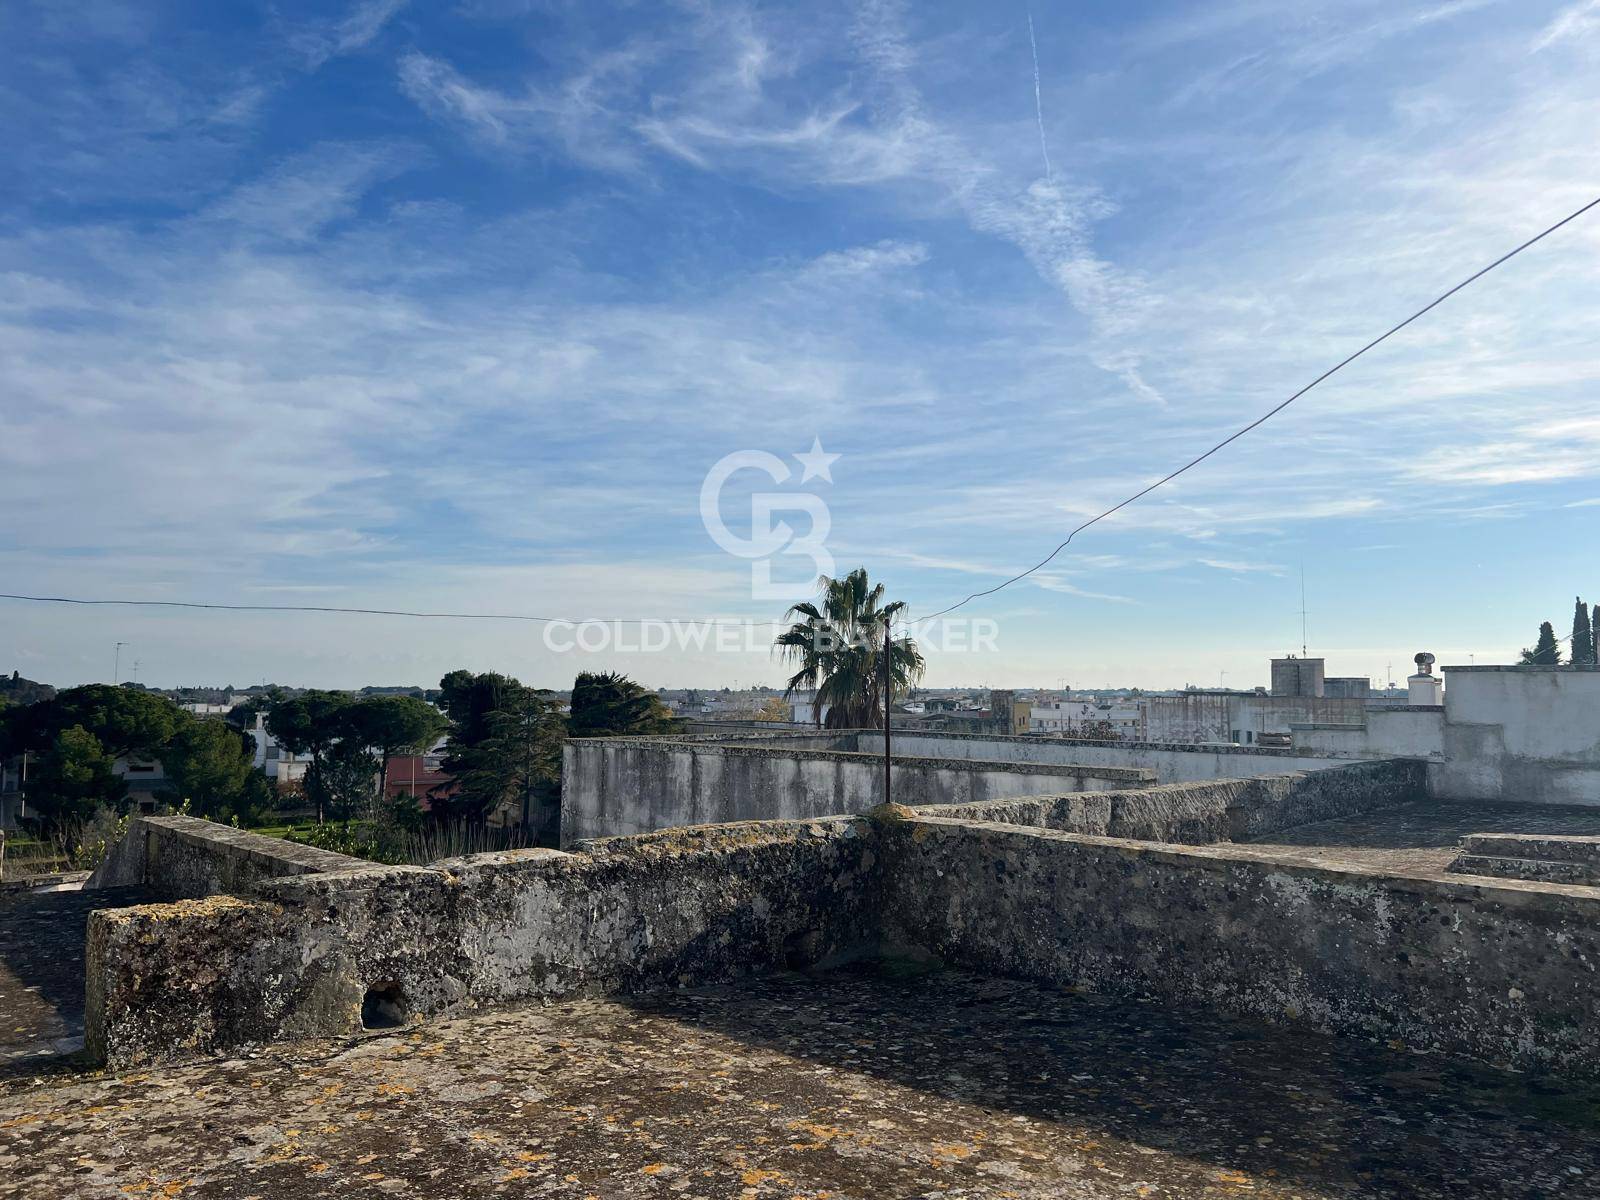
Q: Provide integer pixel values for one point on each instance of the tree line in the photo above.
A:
(502, 748)
(1582, 644)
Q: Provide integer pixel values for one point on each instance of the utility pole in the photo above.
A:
(527, 783)
(116, 665)
(888, 689)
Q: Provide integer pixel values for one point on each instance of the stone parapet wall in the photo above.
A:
(325, 954)
(1202, 813)
(1504, 974)
(188, 858)
(1500, 971)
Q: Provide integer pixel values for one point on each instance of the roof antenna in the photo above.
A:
(1302, 610)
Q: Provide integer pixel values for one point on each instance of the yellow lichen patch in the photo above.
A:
(821, 1135)
(943, 1156)
(653, 1169)
(530, 1156)
(181, 910)
(513, 1173)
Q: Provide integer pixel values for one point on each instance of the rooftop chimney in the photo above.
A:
(1425, 687)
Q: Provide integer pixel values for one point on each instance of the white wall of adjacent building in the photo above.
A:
(1515, 733)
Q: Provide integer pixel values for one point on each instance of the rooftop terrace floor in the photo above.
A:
(874, 1082)
(1425, 836)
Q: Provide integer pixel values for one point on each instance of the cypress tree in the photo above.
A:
(1582, 653)
(1546, 652)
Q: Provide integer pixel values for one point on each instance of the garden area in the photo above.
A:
(84, 759)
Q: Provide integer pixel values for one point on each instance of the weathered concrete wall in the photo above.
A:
(1190, 717)
(1503, 974)
(1404, 731)
(1172, 763)
(1528, 734)
(1202, 813)
(187, 858)
(612, 787)
(307, 955)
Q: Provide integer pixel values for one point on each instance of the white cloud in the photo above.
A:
(1576, 22)
(579, 115)
(1235, 567)
(318, 42)
(298, 199)
(441, 91)
(859, 261)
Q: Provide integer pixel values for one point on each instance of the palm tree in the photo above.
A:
(838, 648)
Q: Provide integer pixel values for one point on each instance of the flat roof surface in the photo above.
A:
(1424, 836)
(875, 1083)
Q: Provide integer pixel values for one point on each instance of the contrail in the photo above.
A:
(1038, 104)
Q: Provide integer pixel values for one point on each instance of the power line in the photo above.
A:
(378, 612)
(1272, 412)
(1139, 495)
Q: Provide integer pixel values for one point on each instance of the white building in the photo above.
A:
(202, 709)
(803, 710)
(284, 768)
(1069, 717)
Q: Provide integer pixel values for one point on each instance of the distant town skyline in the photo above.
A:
(457, 310)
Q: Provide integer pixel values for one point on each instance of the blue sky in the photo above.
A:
(453, 307)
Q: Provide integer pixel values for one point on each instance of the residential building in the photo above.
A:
(283, 767)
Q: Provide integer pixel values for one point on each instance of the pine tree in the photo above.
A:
(1582, 654)
(1546, 652)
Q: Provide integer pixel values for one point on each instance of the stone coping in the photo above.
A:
(740, 750)
(275, 856)
(717, 739)
(1217, 856)
(255, 845)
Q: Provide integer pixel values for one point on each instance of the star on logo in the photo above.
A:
(816, 462)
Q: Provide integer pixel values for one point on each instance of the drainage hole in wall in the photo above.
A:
(381, 1008)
